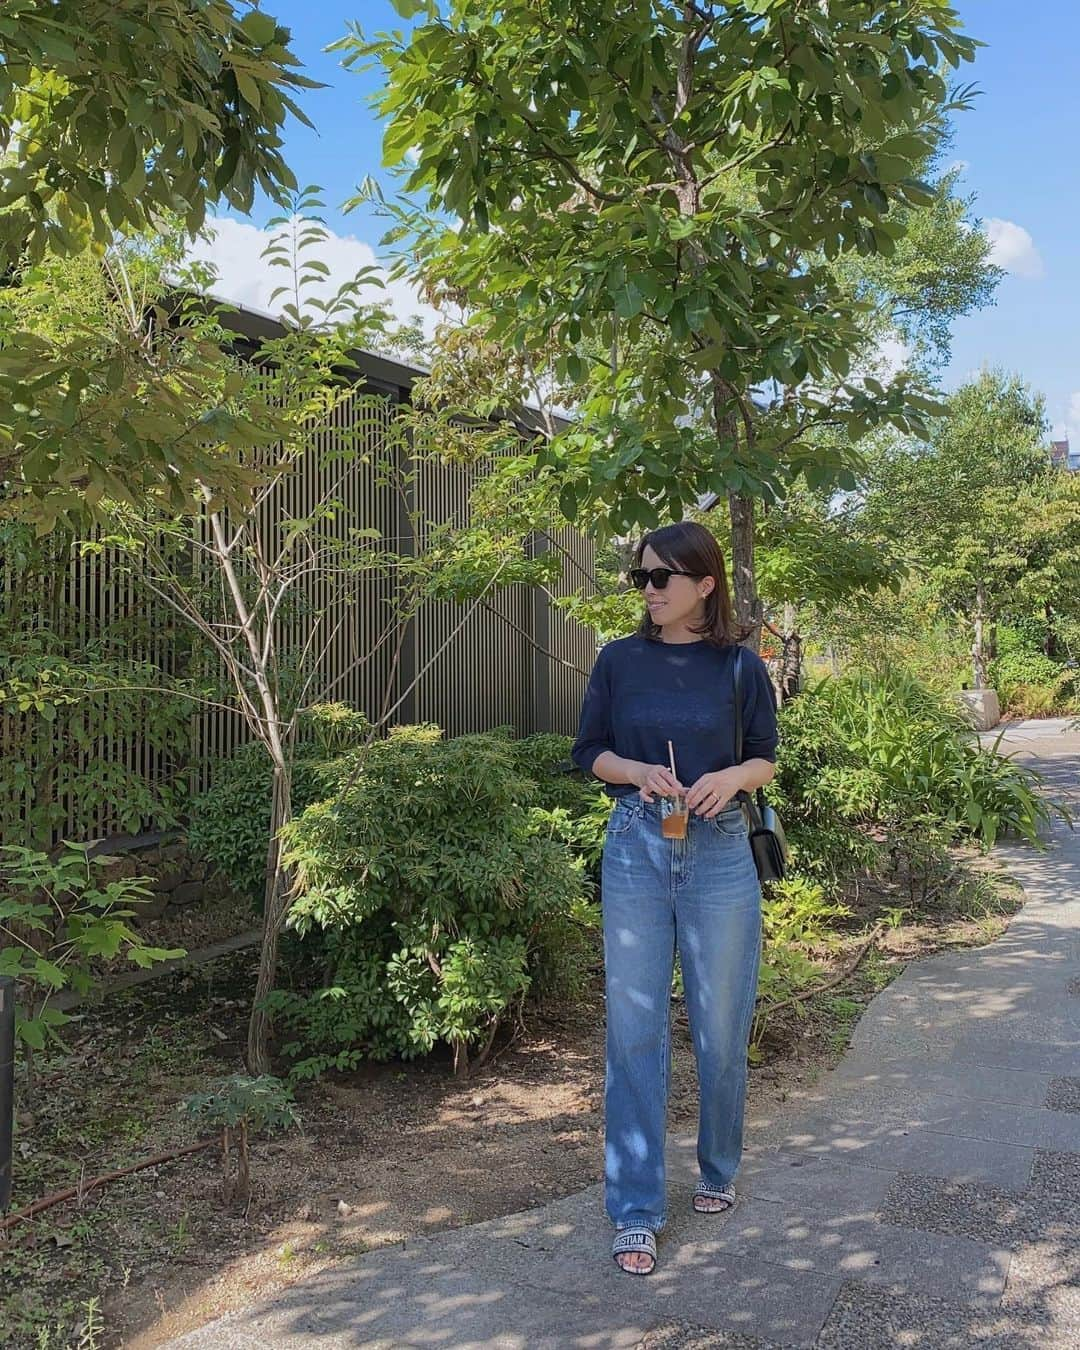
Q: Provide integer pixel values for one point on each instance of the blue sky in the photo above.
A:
(1017, 146)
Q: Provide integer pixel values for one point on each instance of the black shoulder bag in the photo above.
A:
(767, 842)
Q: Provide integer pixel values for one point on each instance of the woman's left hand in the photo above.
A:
(712, 791)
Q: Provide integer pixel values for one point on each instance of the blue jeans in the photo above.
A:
(703, 894)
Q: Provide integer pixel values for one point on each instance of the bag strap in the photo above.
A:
(738, 705)
(749, 797)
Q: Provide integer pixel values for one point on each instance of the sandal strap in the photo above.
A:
(634, 1240)
(712, 1192)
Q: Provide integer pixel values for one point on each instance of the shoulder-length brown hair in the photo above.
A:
(689, 547)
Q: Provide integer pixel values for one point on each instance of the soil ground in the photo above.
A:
(392, 1151)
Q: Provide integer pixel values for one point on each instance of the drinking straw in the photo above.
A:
(671, 757)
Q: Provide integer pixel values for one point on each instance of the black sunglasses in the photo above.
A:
(659, 576)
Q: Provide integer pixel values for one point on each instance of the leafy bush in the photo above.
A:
(242, 1104)
(78, 694)
(229, 823)
(1030, 684)
(885, 631)
(577, 804)
(863, 755)
(58, 717)
(57, 918)
(1024, 634)
(796, 917)
(335, 727)
(426, 890)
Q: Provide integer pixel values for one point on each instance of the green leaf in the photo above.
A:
(249, 89)
(258, 28)
(409, 9)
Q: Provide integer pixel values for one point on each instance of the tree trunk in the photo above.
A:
(625, 548)
(725, 414)
(275, 907)
(1050, 645)
(791, 659)
(978, 647)
(744, 588)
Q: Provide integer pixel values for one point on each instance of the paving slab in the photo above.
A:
(927, 1152)
(862, 1247)
(386, 1305)
(1005, 1124)
(560, 1247)
(972, 1081)
(1000, 1052)
(465, 1311)
(829, 1184)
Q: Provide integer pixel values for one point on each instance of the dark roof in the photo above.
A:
(381, 374)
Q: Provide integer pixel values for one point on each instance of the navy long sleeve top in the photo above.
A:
(644, 692)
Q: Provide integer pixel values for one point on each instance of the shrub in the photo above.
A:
(796, 917)
(56, 918)
(868, 753)
(239, 1105)
(1030, 684)
(62, 721)
(229, 823)
(426, 890)
(577, 805)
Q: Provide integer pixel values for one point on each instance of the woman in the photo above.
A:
(673, 680)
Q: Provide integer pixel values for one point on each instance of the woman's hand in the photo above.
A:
(656, 780)
(712, 791)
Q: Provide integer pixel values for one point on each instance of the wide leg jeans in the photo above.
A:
(699, 895)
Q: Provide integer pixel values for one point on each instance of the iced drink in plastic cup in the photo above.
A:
(673, 817)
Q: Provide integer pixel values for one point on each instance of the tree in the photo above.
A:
(1045, 580)
(957, 505)
(120, 117)
(813, 556)
(114, 396)
(657, 188)
(268, 588)
(939, 270)
(115, 112)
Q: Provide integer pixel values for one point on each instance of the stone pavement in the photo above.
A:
(926, 1193)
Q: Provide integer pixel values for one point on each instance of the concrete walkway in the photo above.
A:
(925, 1194)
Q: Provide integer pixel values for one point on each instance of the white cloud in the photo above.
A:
(1013, 249)
(1071, 427)
(246, 278)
